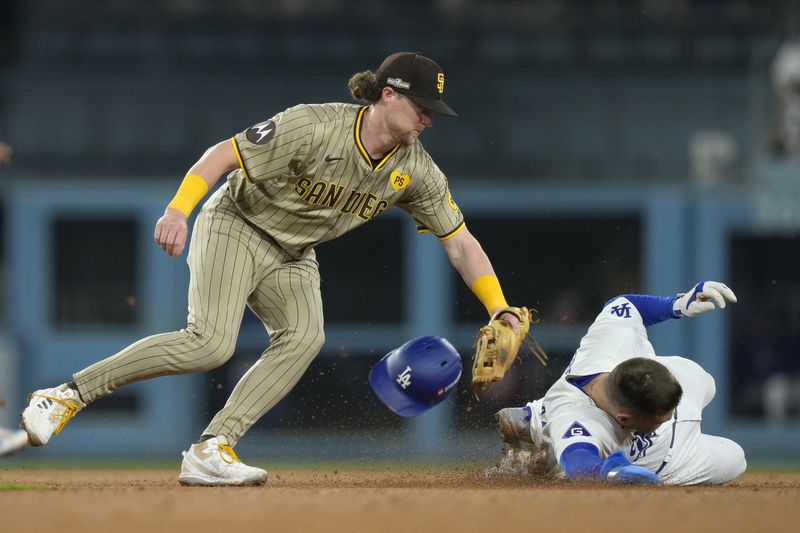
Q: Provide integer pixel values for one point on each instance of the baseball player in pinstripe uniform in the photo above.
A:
(305, 176)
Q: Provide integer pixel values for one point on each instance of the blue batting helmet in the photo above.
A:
(416, 376)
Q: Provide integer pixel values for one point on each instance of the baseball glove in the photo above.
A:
(497, 346)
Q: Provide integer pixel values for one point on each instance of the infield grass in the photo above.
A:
(22, 486)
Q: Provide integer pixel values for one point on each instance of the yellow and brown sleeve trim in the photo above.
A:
(446, 236)
(364, 153)
(239, 158)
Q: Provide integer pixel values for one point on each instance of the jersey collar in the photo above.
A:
(360, 145)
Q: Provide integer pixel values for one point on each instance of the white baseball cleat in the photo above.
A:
(522, 427)
(48, 412)
(528, 451)
(514, 425)
(212, 463)
(536, 428)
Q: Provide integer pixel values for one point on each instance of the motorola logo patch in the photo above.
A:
(261, 133)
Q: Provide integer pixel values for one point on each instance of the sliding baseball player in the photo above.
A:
(622, 414)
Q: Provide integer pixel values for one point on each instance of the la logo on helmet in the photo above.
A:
(404, 379)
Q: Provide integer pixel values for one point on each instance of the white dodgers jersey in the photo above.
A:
(571, 416)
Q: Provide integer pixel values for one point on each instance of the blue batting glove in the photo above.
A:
(617, 469)
(632, 475)
(615, 460)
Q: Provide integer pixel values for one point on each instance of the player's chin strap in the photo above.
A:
(668, 456)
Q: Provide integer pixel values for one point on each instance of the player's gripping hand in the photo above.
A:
(509, 317)
(617, 469)
(171, 232)
(705, 296)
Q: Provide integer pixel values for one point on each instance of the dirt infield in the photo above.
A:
(121, 501)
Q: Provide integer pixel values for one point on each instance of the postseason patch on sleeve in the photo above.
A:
(576, 430)
(261, 133)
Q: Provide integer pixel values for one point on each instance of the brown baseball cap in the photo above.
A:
(416, 76)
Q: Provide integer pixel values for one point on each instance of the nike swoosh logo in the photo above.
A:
(205, 452)
(329, 159)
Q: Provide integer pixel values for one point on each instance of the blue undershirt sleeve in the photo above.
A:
(654, 309)
(581, 461)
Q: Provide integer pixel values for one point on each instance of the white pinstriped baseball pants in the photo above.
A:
(232, 265)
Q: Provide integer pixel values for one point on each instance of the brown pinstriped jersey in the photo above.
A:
(305, 178)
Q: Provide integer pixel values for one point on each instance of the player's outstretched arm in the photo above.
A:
(499, 341)
(704, 296)
(171, 229)
(469, 259)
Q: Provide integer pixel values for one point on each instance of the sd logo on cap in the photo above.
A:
(416, 76)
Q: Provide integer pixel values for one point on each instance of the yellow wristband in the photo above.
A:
(488, 291)
(191, 191)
